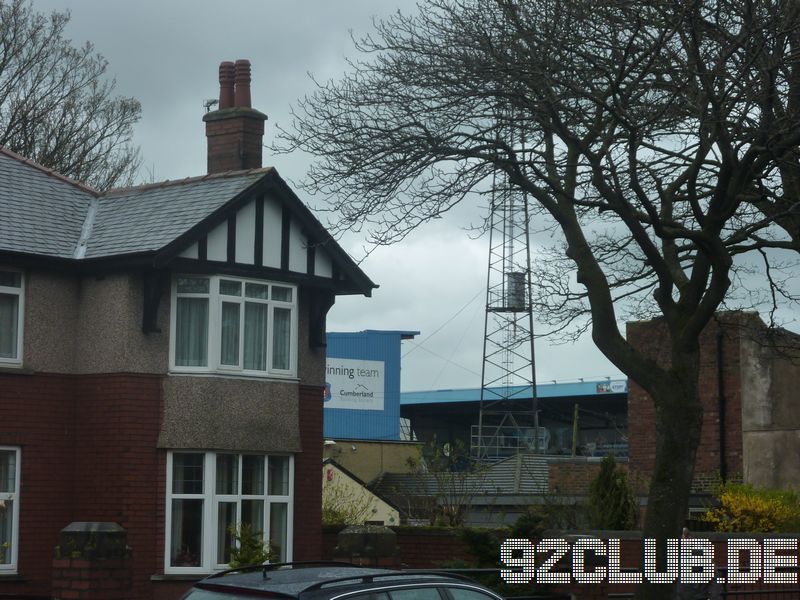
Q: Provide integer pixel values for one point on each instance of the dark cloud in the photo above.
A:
(166, 54)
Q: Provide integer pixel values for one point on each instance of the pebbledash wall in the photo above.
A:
(89, 441)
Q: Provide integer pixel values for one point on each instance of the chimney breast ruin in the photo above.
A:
(235, 131)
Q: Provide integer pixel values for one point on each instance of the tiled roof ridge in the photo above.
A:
(47, 171)
(186, 180)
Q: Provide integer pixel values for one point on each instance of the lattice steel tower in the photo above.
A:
(508, 421)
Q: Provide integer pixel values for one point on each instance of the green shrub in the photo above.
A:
(744, 508)
(249, 547)
(611, 504)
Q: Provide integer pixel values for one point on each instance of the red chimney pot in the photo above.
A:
(235, 131)
(226, 79)
(242, 96)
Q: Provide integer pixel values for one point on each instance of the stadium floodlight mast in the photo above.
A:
(508, 418)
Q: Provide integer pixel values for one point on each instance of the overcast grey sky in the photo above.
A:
(166, 54)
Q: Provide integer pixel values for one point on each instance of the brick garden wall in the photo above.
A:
(573, 477)
(425, 548)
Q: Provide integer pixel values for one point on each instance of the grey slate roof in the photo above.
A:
(40, 212)
(148, 218)
(43, 213)
(46, 215)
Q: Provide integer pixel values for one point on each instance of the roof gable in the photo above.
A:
(40, 212)
(210, 219)
(148, 218)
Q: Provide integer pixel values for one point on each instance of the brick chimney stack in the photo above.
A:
(234, 131)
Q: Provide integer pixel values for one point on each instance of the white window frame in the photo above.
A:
(214, 347)
(20, 292)
(11, 567)
(211, 502)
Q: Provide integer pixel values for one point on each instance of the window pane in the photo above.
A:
(11, 278)
(6, 530)
(193, 285)
(191, 332)
(252, 475)
(230, 288)
(229, 354)
(187, 533)
(8, 471)
(253, 514)
(465, 594)
(255, 336)
(9, 315)
(187, 473)
(226, 518)
(256, 290)
(282, 320)
(283, 294)
(227, 474)
(277, 529)
(279, 475)
(426, 593)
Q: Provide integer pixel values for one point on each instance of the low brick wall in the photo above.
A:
(573, 476)
(428, 548)
(420, 547)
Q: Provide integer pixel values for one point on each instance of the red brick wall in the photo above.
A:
(36, 413)
(308, 477)
(573, 477)
(84, 579)
(648, 337)
(419, 549)
(88, 454)
(233, 141)
(117, 420)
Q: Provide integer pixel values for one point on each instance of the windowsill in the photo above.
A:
(179, 576)
(12, 577)
(243, 376)
(9, 369)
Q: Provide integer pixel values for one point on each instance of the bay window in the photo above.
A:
(209, 493)
(9, 508)
(11, 315)
(228, 324)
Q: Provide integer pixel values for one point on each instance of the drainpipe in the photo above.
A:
(723, 463)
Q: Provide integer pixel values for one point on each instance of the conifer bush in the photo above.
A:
(611, 504)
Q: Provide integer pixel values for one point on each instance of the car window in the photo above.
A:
(370, 596)
(420, 593)
(459, 593)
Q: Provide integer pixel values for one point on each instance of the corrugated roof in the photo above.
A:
(519, 474)
(40, 213)
(602, 387)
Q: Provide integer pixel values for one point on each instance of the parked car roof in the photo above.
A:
(318, 581)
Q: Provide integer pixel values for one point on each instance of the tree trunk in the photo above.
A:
(679, 418)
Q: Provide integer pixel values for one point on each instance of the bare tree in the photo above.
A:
(659, 138)
(56, 104)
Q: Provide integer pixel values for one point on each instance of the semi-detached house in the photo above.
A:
(162, 359)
